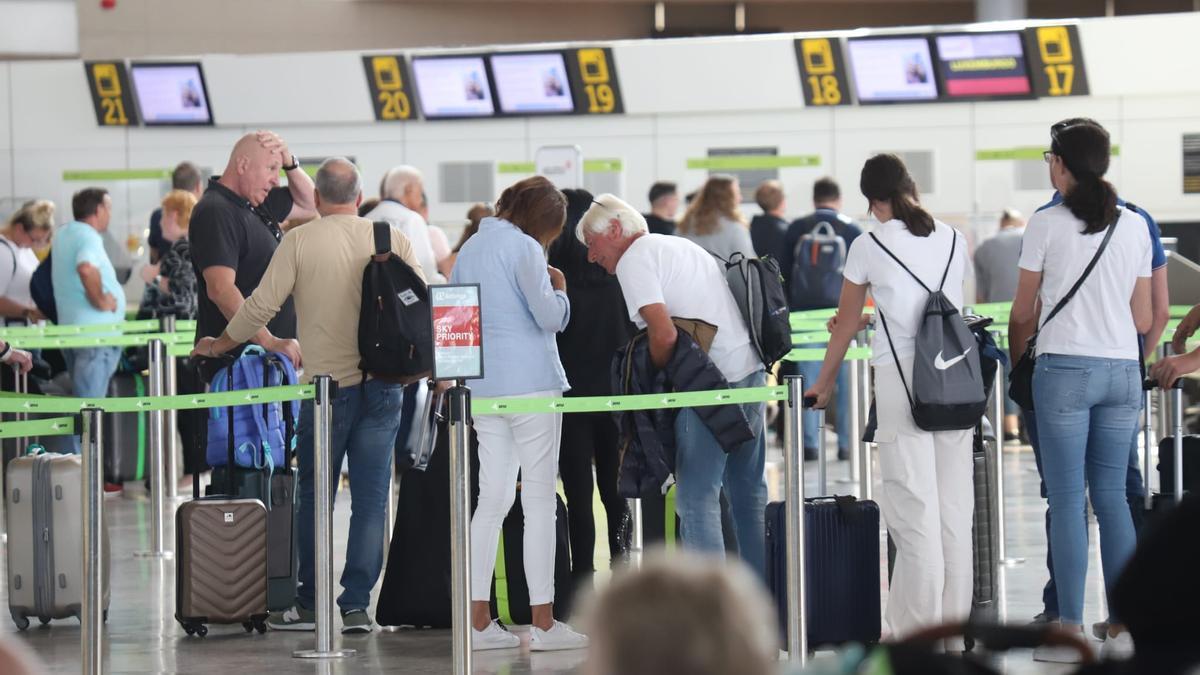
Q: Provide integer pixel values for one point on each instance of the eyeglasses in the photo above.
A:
(1047, 155)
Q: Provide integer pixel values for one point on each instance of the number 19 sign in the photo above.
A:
(457, 332)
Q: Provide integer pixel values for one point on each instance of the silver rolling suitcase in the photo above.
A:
(45, 539)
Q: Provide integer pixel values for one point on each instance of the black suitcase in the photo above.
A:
(126, 434)
(416, 583)
(1166, 465)
(281, 501)
(842, 544)
(510, 590)
(984, 533)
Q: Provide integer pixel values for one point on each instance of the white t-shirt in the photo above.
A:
(16, 269)
(1097, 321)
(413, 226)
(896, 293)
(659, 268)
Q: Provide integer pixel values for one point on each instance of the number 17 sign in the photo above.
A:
(457, 332)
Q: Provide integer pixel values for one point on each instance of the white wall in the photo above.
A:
(683, 97)
(39, 28)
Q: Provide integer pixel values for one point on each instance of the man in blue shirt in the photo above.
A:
(827, 198)
(86, 290)
(1135, 488)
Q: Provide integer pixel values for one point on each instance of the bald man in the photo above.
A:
(235, 230)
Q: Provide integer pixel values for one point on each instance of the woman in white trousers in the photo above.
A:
(523, 305)
(927, 496)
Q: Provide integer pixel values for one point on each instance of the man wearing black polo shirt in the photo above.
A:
(235, 230)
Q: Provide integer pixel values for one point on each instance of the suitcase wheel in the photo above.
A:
(21, 621)
(260, 626)
(43, 620)
(248, 626)
(195, 629)
(255, 625)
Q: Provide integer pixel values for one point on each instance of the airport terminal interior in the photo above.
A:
(494, 336)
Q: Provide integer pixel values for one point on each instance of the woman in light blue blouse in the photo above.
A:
(524, 303)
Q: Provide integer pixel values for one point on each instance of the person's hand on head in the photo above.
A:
(275, 143)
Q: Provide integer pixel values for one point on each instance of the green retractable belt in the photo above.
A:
(669, 518)
(501, 585)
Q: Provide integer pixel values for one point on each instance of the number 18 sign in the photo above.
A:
(457, 332)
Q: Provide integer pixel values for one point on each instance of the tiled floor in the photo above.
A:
(143, 637)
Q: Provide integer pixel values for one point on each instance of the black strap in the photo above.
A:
(229, 485)
(1108, 233)
(383, 237)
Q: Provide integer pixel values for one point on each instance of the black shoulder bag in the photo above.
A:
(1020, 381)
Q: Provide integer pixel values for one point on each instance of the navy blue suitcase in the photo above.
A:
(842, 544)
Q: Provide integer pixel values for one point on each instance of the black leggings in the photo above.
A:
(588, 436)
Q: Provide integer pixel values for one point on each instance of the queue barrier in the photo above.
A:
(91, 341)
(55, 426)
(54, 330)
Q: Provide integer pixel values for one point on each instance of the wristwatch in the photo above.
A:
(294, 165)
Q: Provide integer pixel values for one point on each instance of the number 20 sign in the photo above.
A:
(387, 78)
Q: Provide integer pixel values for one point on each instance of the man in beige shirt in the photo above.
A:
(320, 264)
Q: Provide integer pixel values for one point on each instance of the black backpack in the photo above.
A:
(395, 332)
(757, 287)
(41, 289)
(948, 390)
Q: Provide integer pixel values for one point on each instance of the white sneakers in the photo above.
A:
(494, 636)
(559, 637)
(1117, 648)
(1058, 654)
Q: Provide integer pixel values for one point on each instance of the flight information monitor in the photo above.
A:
(171, 94)
(532, 83)
(892, 69)
(983, 65)
(453, 86)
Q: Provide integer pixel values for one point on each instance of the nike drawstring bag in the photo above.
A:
(947, 384)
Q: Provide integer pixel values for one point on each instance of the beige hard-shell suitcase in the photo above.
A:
(221, 568)
(44, 511)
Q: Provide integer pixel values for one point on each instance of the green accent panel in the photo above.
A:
(818, 354)
(86, 341)
(116, 174)
(139, 384)
(1024, 152)
(742, 162)
(602, 165)
(516, 167)
(501, 584)
(807, 325)
(582, 404)
(56, 426)
(669, 518)
(15, 403)
(810, 338)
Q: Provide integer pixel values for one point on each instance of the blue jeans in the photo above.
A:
(365, 419)
(702, 467)
(91, 369)
(811, 370)
(1135, 491)
(1089, 412)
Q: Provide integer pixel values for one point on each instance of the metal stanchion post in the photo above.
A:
(171, 427)
(998, 470)
(91, 614)
(324, 476)
(21, 386)
(862, 405)
(855, 423)
(822, 459)
(635, 509)
(1177, 432)
(389, 520)
(460, 528)
(1164, 405)
(157, 503)
(1147, 448)
(793, 490)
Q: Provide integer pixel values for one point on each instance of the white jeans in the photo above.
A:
(509, 444)
(928, 501)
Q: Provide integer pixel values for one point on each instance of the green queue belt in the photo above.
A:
(141, 326)
(587, 404)
(88, 341)
(55, 426)
(806, 354)
(17, 403)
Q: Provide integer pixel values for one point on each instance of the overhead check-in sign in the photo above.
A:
(822, 72)
(112, 97)
(1056, 61)
(457, 332)
(387, 78)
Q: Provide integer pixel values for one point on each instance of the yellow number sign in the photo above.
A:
(386, 77)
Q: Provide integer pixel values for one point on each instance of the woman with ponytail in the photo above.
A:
(1088, 262)
(927, 496)
(525, 304)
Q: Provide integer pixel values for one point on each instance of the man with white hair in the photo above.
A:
(400, 196)
(663, 277)
(320, 265)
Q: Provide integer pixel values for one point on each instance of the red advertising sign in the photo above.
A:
(457, 332)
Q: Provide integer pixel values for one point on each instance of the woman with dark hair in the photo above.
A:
(927, 497)
(586, 347)
(525, 304)
(714, 221)
(1087, 376)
